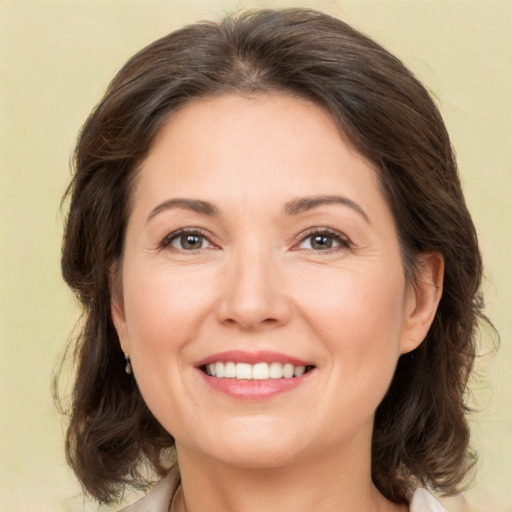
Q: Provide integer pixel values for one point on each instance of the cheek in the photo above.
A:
(356, 301)
(164, 312)
(359, 318)
(160, 304)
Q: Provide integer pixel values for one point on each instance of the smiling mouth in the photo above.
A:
(258, 371)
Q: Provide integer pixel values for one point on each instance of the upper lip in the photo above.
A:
(243, 356)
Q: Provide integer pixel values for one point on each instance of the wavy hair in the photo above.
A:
(421, 434)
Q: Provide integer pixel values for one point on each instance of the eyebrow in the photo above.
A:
(195, 205)
(294, 207)
(303, 204)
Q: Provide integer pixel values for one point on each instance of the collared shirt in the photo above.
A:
(159, 499)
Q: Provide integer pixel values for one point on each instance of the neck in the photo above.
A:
(327, 483)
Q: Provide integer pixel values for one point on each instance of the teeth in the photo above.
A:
(288, 371)
(298, 371)
(276, 370)
(219, 370)
(230, 370)
(243, 370)
(258, 371)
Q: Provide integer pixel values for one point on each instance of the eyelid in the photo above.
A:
(338, 236)
(342, 239)
(170, 237)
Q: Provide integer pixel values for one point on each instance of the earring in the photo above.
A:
(128, 367)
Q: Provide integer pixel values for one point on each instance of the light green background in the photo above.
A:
(56, 59)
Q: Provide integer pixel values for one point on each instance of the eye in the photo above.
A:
(185, 240)
(324, 240)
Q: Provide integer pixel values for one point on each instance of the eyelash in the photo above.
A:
(175, 235)
(337, 237)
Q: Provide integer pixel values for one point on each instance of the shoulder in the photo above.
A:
(160, 497)
(423, 501)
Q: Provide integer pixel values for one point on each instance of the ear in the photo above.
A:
(422, 298)
(118, 313)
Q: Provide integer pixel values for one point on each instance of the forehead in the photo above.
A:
(243, 141)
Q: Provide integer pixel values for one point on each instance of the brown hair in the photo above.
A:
(420, 434)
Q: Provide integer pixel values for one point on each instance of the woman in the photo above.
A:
(279, 276)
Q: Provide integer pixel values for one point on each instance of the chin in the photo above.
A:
(256, 448)
(261, 457)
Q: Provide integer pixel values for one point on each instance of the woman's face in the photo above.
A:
(263, 300)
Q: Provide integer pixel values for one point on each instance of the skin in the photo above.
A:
(256, 281)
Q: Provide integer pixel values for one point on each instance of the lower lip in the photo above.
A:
(254, 389)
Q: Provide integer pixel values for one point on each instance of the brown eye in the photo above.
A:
(188, 242)
(323, 241)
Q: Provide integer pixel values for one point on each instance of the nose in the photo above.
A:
(253, 295)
